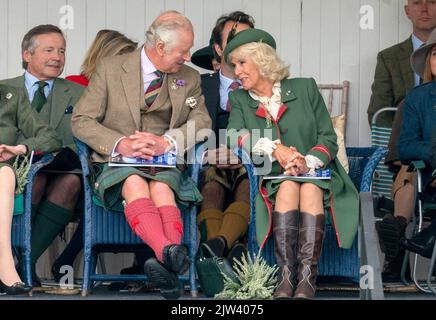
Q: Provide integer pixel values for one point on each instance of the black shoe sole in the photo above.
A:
(167, 282)
(390, 238)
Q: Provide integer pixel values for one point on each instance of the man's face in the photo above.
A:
(422, 13)
(48, 60)
(225, 34)
(173, 59)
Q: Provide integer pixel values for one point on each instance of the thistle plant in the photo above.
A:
(21, 169)
(257, 280)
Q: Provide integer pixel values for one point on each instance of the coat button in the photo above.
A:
(284, 131)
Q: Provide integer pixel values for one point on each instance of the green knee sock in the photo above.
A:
(49, 222)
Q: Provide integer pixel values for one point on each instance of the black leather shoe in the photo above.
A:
(175, 257)
(236, 252)
(391, 232)
(422, 243)
(392, 269)
(15, 289)
(160, 277)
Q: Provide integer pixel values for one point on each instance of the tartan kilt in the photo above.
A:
(228, 178)
(107, 184)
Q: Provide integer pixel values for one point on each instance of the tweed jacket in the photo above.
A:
(303, 122)
(393, 78)
(110, 106)
(59, 106)
(17, 117)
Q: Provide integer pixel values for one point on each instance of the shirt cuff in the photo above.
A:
(114, 153)
(264, 146)
(173, 144)
(313, 162)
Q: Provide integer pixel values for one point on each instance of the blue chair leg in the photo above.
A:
(192, 251)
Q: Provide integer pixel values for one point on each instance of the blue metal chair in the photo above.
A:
(21, 224)
(107, 231)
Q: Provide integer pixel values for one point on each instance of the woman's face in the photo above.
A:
(433, 61)
(247, 72)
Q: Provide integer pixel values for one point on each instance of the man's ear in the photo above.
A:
(27, 56)
(160, 48)
(218, 49)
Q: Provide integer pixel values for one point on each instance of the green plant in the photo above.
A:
(21, 169)
(257, 280)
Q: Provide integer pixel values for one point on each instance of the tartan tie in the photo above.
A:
(235, 85)
(39, 98)
(154, 88)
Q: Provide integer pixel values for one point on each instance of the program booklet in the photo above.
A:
(167, 160)
(316, 175)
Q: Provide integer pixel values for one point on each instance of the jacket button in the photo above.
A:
(284, 131)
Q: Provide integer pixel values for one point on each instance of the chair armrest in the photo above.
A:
(416, 165)
(368, 172)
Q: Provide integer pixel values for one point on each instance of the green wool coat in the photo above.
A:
(58, 109)
(303, 122)
(17, 118)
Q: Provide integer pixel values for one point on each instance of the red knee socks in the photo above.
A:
(144, 218)
(172, 223)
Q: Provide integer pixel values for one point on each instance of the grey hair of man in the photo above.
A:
(30, 42)
(167, 28)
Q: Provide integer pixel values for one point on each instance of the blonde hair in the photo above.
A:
(106, 43)
(265, 58)
(428, 76)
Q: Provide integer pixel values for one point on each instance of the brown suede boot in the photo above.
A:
(285, 232)
(311, 236)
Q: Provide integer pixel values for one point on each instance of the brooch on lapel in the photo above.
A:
(177, 84)
(191, 102)
(8, 96)
(69, 110)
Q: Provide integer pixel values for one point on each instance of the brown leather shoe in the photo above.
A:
(311, 236)
(285, 232)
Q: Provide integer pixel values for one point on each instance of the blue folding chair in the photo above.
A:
(108, 231)
(21, 224)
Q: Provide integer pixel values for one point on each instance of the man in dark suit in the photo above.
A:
(393, 79)
(225, 210)
(54, 196)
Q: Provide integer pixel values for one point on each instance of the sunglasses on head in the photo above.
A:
(232, 32)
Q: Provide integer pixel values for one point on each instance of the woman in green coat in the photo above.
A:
(286, 123)
(16, 116)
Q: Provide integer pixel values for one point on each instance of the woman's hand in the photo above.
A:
(8, 152)
(296, 166)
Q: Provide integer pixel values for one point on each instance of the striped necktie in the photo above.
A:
(154, 88)
(39, 98)
(235, 85)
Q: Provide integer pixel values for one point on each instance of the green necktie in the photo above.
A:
(39, 98)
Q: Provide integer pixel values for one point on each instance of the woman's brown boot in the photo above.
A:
(285, 232)
(310, 239)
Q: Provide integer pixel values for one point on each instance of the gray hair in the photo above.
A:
(29, 42)
(167, 28)
(265, 58)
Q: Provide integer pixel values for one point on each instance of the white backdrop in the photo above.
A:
(318, 38)
(321, 39)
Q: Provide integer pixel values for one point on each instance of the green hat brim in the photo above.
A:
(247, 36)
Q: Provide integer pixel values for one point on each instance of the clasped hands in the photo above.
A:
(143, 145)
(291, 160)
(8, 152)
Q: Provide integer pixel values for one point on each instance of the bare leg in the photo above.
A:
(161, 194)
(403, 201)
(311, 199)
(8, 274)
(288, 197)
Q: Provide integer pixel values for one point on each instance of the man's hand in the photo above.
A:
(223, 158)
(135, 148)
(146, 142)
(8, 152)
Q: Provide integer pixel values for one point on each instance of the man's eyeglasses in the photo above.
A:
(232, 32)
